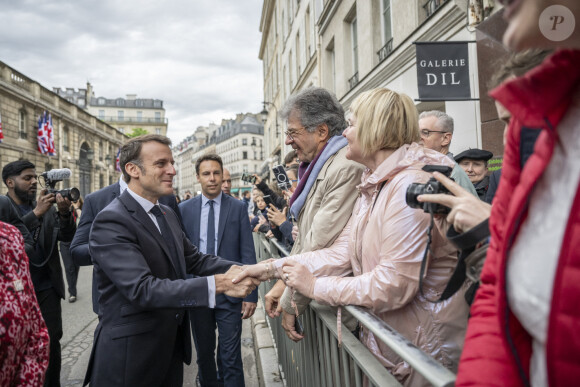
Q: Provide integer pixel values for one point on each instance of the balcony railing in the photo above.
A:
(318, 360)
(385, 51)
(353, 81)
(432, 5)
(137, 120)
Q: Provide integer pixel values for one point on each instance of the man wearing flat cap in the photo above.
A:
(474, 163)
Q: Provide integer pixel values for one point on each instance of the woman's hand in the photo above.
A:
(258, 179)
(273, 306)
(299, 277)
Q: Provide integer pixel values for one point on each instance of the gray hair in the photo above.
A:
(315, 106)
(444, 121)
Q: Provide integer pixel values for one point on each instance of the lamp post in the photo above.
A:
(264, 113)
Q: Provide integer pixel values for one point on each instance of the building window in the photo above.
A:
(120, 102)
(244, 141)
(101, 101)
(81, 102)
(245, 168)
(120, 115)
(387, 48)
(101, 152)
(245, 155)
(298, 64)
(22, 124)
(101, 114)
(354, 37)
(65, 139)
(139, 116)
(101, 180)
(157, 130)
(157, 117)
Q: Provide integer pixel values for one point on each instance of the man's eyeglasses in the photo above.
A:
(427, 132)
(291, 135)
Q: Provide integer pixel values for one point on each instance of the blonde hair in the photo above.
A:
(385, 119)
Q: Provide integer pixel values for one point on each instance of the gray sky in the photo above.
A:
(199, 56)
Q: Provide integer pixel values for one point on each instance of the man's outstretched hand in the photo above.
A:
(224, 283)
(262, 271)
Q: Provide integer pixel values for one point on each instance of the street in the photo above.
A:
(79, 323)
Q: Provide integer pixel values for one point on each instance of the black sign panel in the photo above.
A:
(443, 71)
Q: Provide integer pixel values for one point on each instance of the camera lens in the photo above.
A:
(413, 191)
(72, 194)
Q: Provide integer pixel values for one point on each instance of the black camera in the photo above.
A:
(248, 178)
(432, 186)
(54, 176)
(284, 182)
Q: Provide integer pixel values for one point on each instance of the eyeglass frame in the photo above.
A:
(422, 132)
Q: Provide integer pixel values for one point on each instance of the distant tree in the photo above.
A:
(137, 132)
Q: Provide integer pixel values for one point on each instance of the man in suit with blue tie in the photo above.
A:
(93, 204)
(143, 265)
(219, 224)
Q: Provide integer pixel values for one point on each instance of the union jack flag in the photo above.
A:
(118, 161)
(45, 135)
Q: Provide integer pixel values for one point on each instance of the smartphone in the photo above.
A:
(248, 178)
(268, 200)
(281, 177)
(298, 325)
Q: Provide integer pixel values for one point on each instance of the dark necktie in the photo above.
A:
(210, 245)
(165, 232)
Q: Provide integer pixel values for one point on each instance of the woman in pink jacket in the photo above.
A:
(376, 260)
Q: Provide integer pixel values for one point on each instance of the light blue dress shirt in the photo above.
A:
(203, 221)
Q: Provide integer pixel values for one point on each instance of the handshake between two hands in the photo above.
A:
(239, 281)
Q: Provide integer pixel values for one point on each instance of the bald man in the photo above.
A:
(227, 182)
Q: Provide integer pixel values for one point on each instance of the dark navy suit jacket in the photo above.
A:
(235, 242)
(94, 203)
(145, 294)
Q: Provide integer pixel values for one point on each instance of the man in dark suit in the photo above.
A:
(218, 223)
(93, 204)
(142, 262)
(47, 226)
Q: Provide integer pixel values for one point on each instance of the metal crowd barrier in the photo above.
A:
(318, 360)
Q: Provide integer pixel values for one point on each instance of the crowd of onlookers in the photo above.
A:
(477, 269)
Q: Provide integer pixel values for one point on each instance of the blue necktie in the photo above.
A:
(210, 245)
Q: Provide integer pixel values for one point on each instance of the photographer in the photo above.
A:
(48, 225)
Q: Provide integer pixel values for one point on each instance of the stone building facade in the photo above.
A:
(239, 142)
(84, 144)
(350, 46)
(125, 114)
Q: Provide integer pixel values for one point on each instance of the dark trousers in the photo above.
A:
(71, 269)
(230, 370)
(174, 376)
(50, 308)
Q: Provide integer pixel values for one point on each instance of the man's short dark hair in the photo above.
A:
(315, 106)
(210, 157)
(131, 151)
(15, 168)
(246, 192)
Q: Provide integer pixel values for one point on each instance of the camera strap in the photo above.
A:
(466, 242)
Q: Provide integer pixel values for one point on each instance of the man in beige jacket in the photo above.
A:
(326, 192)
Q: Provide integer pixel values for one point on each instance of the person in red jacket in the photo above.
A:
(525, 321)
